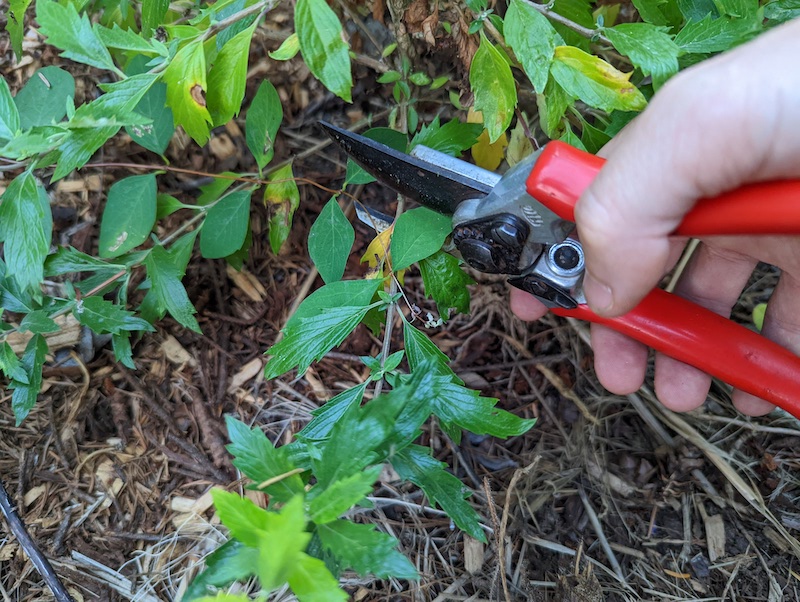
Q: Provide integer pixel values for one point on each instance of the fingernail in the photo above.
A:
(598, 295)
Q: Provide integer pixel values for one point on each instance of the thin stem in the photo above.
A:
(592, 34)
(266, 6)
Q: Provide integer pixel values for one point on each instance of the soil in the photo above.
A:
(607, 498)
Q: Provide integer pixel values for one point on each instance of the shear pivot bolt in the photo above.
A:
(566, 258)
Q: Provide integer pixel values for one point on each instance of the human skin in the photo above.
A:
(731, 120)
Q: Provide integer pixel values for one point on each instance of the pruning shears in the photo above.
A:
(521, 224)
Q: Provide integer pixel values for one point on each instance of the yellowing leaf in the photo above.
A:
(594, 81)
(519, 146)
(488, 154)
(378, 249)
(185, 77)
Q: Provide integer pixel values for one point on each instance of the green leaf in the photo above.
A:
(420, 351)
(227, 78)
(329, 414)
(43, 99)
(324, 51)
(124, 95)
(185, 77)
(282, 197)
(533, 40)
(129, 215)
(343, 292)
(121, 345)
(9, 115)
(552, 106)
(38, 322)
(16, 24)
(716, 35)
(308, 339)
(415, 464)
(165, 273)
(72, 33)
(281, 544)
(467, 409)
(341, 495)
(26, 227)
(262, 122)
(260, 461)
(311, 581)
(123, 39)
(242, 517)
(594, 81)
(67, 260)
(493, 85)
(418, 234)
(25, 393)
(225, 226)
(152, 105)
(355, 174)
(232, 561)
(695, 10)
(452, 138)
(365, 550)
(106, 317)
(11, 366)
(649, 47)
(577, 11)
(330, 240)
(287, 50)
(778, 11)
(153, 13)
(79, 146)
(446, 283)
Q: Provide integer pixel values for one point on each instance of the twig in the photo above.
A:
(592, 34)
(41, 563)
(598, 529)
(499, 541)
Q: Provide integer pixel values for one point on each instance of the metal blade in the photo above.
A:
(432, 185)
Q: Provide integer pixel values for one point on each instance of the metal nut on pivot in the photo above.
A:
(566, 258)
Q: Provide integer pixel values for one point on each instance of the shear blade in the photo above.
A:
(433, 186)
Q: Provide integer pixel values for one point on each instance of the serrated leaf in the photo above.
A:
(165, 273)
(73, 34)
(153, 13)
(324, 51)
(26, 227)
(152, 105)
(778, 11)
(106, 317)
(452, 138)
(282, 197)
(415, 464)
(308, 339)
(232, 561)
(311, 581)
(185, 77)
(552, 106)
(67, 260)
(123, 39)
(9, 115)
(79, 146)
(365, 550)
(43, 99)
(355, 174)
(716, 35)
(25, 393)
(335, 294)
(227, 78)
(262, 122)
(121, 345)
(225, 226)
(418, 234)
(341, 495)
(260, 461)
(421, 351)
(330, 240)
(649, 47)
(16, 24)
(281, 544)
(493, 86)
(242, 517)
(467, 409)
(533, 39)
(329, 414)
(125, 94)
(594, 81)
(446, 283)
(129, 215)
(11, 366)
(38, 322)
(287, 50)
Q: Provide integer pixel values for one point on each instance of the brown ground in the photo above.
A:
(606, 498)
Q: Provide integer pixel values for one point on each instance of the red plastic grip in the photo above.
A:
(563, 172)
(701, 338)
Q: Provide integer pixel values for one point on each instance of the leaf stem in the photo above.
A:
(592, 34)
(265, 5)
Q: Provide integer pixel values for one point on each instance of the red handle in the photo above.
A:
(563, 172)
(701, 338)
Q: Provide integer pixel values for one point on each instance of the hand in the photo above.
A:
(731, 120)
